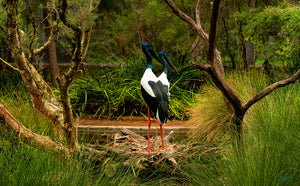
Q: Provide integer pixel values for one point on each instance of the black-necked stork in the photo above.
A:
(154, 92)
(163, 76)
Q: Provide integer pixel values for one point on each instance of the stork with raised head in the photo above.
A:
(154, 92)
(163, 76)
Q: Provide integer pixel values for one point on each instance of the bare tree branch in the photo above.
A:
(14, 68)
(205, 67)
(214, 67)
(270, 88)
(198, 28)
(187, 19)
(62, 10)
(82, 38)
(212, 32)
(197, 12)
(45, 45)
(30, 137)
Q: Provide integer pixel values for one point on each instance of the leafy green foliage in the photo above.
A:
(117, 92)
(123, 23)
(270, 153)
(274, 31)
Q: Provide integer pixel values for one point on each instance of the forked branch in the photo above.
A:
(270, 88)
(214, 66)
(82, 38)
(196, 26)
(45, 45)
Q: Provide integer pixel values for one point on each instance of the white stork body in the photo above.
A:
(163, 78)
(148, 76)
(155, 93)
(152, 92)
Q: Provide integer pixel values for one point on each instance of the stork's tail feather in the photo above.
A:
(162, 112)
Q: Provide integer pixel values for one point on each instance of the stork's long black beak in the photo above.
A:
(156, 57)
(171, 65)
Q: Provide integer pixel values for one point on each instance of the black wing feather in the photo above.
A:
(151, 101)
(159, 102)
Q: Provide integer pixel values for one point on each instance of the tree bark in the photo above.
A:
(242, 45)
(51, 49)
(82, 39)
(197, 49)
(42, 96)
(212, 67)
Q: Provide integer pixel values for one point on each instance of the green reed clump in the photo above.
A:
(22, 164)
(210, 114)
(269, 155)
(117, 93)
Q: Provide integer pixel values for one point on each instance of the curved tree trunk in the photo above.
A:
(214, 67)
(51, 49)
(42, 96)
(242, 45)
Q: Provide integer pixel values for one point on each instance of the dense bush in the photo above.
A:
(117, 92)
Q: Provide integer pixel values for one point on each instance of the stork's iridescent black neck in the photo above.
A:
(147, 49)
(166, 61)
(162, 55)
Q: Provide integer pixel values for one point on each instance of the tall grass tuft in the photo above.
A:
(17, 100)
(271, 142)
(270, 152)
(22, 164)
(210, 115)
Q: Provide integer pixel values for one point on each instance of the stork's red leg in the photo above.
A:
(162, 137)
(156, 126)
(149, 124)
